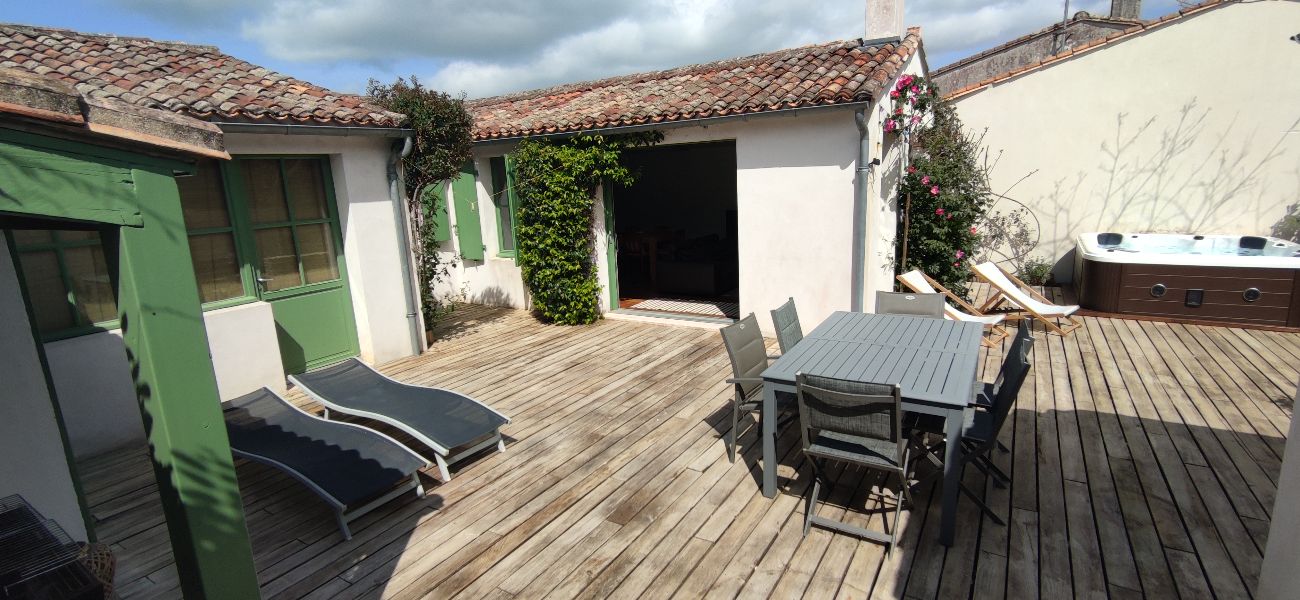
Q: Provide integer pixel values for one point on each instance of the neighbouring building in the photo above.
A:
(775, 179)
(298, 243)
(1183, 124)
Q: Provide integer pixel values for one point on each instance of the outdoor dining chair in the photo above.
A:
(980, 434)
(908, 303)
(748, 354)
(856, 423)
(921, 283)
(788, 330)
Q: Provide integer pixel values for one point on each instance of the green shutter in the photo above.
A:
(435, 208)
(468, 231)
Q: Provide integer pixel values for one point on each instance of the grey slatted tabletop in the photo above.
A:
(933, 360)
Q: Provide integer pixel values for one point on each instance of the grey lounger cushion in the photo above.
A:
(345, 463)
(441, 417)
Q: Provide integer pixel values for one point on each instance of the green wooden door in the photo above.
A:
(469, 233)
(293, 237)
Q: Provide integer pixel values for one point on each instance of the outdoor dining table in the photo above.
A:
(932, 360)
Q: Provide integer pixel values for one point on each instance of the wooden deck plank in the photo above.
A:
(1131, 446)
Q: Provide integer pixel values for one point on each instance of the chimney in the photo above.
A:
(884, 21)
(1126, 9)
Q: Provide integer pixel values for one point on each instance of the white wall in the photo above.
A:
(35, 464)
(371, 227)
(245, 349)
(495, 280)
(1279, 576)
(1193, 127)
(93, 381)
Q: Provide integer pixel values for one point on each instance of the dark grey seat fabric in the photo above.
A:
(444, 416)
(453, 425)
(748, 354)
(345, 464)
(858, 423)
(788, 330)
(910, 303)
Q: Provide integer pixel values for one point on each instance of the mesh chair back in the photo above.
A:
(788, 330)
(909, 303)
(869, 410)
(1014, 368)
(745, 348)
(1023, 336)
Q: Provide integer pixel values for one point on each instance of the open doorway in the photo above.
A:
(676, 231)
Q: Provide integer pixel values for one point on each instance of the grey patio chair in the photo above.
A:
(986, 391)
(910, 303)
(352, 468)
(980, 434)
(788, 330)
(748, 354)
(857, 423)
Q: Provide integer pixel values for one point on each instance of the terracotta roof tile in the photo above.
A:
(198, 81)
(821, 75)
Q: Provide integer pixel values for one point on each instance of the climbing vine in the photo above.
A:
(555, 184)
(441, 127)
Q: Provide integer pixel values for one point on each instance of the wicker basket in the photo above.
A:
(99, 560)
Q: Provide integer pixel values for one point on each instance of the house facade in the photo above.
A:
(1195, 133)
(774, 180)
(298, 243)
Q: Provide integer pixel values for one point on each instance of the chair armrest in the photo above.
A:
(739, 380)
(773, 356)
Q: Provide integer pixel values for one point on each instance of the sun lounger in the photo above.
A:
(454, 425)
(924, 284)
(1012, 291)
(347, 465)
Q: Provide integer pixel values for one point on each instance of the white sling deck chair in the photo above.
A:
(924, 284)
(1012, 291)
(451, 424)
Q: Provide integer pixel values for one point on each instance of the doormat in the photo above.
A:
(728, 310)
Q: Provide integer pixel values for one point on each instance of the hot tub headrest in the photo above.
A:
(1251, 242)
(1110, 239)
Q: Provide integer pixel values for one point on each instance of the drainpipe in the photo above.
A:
(402, 149)
(862, 174)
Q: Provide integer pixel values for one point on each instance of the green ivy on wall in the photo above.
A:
(555, 183)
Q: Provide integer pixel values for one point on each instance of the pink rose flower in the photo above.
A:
(893, 94)
(972, 230)
(915, 89)
(911, 170)
(934, 191)
(938, 211)
(960, 254)
(916, 119)
(925, 180)
(890, 126)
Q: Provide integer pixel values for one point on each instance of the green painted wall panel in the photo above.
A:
(167, 348)
(38, 180)
(469, 232)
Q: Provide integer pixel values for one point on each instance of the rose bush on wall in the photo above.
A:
(944, 192)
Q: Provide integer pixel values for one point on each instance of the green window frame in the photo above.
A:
(504, 201)
(232, 228)
(60, 244)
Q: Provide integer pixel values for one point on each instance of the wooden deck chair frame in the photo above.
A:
(999, 298)
(997, 333)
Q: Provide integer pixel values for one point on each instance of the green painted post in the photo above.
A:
(167, 348)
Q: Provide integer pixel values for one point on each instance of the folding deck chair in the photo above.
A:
(453, 425)
(924, 284)
(1013, 292)
(346, 465)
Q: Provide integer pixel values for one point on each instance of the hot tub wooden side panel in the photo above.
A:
(1125, 288)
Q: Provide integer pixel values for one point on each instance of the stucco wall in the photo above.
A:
(1188, 128)
(794, 189)
(93, 382)
(34, 464)
(371, 227)
(245, 350)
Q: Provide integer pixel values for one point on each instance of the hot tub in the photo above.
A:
(1238, 279)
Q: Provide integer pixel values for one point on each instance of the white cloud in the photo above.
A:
(486, 47)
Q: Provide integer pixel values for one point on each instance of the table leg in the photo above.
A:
(951, 476)
(769, 441)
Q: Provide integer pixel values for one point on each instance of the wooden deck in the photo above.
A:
(1144, 459)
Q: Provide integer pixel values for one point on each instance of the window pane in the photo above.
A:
(203, 198)
(91, 286)
(216, 267)
(265, 191)
(279, 264)
(318, 257)
(33, 236)
(77, 236)
(501, 198)
(45, 288)
(306, 190)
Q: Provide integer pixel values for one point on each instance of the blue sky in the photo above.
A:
(487, 47)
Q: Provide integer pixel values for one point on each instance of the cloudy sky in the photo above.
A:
(486, 47)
